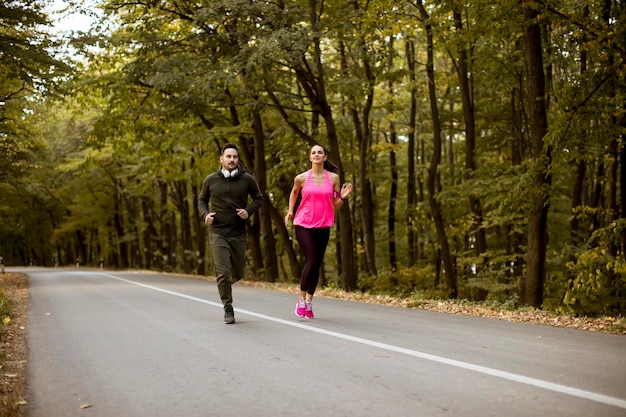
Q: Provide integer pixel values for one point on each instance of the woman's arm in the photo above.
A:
(340, 192)
(293, 196)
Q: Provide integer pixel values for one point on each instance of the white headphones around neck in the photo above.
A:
(228, 174)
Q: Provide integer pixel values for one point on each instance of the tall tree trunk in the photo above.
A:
(393, 166)
(365, 194)
(268, 242)
(179, 196)
(467, 101)
(172, 236)
(532, 285)
(81, 249)
(411, 149)
(622, 157)
(361, 122)
(149, 231)
(134, 228)
(577, 201)
(597, 194)
(432, 180)
(614, 157)
(199, 228)
(581, 167)
(162, 242)
(118, 221)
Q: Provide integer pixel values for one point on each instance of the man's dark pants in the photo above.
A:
(229, 260)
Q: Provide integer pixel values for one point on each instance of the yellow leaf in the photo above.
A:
(6, 320)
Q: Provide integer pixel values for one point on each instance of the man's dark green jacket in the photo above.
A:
(224, 196)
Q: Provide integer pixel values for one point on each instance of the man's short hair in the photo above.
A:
(229, 145)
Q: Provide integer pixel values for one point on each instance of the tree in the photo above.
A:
(532, 284)
(467, 100)
(435, 159)
(28, 74)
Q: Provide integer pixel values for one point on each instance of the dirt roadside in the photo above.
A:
(13, 346)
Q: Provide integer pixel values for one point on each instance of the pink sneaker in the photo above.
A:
(308, 313)
(300, 308)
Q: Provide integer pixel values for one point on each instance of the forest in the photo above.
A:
(485, 140)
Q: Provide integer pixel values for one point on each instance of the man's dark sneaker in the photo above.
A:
(229, 317)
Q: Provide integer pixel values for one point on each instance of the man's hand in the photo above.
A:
(209, 218)
(242, 213)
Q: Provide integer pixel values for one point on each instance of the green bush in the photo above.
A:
(596, 284)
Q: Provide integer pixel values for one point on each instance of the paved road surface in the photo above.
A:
(134, 345)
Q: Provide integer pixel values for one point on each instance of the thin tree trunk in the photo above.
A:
(179, 195)
(614, 156)
(532, 285)
(200, 231)
(432, 182)
(622, 158)
(411, 188)
(581, 167)
(467, 101)
(170, 236)
(597, 194)
(134, 225)
(149, 231)
(118, 221)
(393, 166)
(577, 197)
(268, 242)
(363, 133)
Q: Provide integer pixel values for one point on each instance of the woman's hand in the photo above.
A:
(346, 189)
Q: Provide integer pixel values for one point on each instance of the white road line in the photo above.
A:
(575, 392)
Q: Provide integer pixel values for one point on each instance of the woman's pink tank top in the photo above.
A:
(316, 207)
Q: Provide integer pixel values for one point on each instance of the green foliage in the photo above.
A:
(402, 283)
(596, 282)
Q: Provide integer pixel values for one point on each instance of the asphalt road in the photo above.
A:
(134, 344)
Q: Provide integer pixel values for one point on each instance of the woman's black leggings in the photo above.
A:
(313, 243)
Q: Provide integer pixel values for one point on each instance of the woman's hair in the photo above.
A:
(328, 166)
